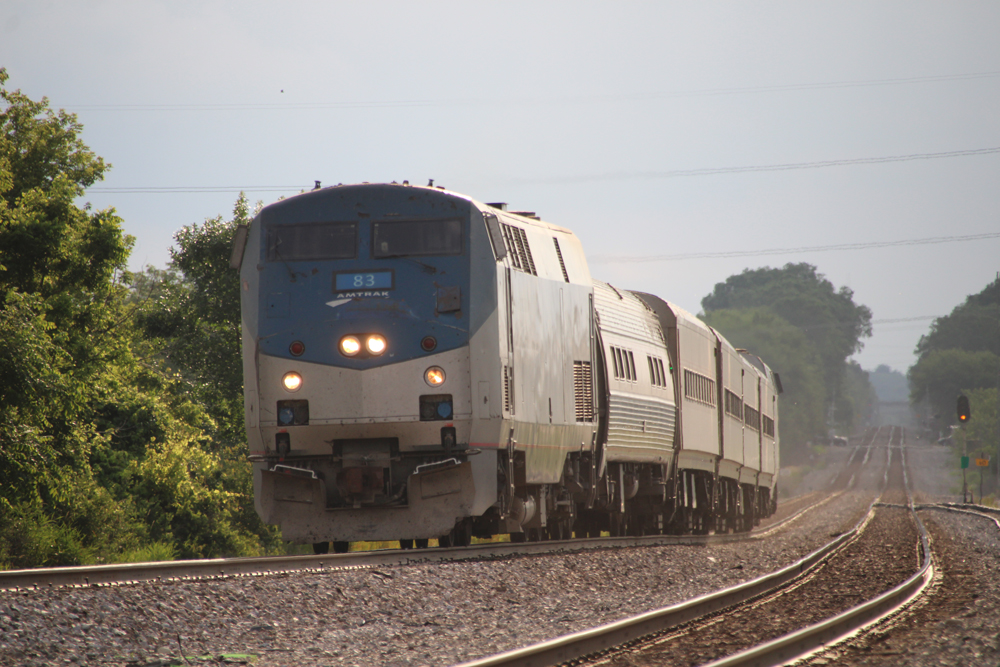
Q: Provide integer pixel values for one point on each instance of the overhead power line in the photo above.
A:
(906, 319)
(582, 179)
(709, 171)
(611, 259)
(522, 100)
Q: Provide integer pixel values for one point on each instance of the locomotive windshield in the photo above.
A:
(314, 240)
(417, 237)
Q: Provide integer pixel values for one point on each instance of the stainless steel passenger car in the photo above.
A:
(418, 364)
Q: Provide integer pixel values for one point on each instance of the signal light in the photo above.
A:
(297, 348)
(964, 411)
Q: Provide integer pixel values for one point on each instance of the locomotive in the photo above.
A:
(418, 365)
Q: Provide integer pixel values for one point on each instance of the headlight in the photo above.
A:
(434, 376)
(291, 381)
(350, 346)
(375, 345)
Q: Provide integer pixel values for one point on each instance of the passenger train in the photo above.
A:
(421, 365)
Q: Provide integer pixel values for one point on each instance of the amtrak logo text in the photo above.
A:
(365, 294)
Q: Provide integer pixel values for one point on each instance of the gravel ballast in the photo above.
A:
(429, 614)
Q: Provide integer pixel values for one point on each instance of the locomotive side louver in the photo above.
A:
(508, 391)
(516, 240)
(562, 264)
(583, 388)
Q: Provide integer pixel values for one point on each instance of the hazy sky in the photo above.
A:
(602, 117)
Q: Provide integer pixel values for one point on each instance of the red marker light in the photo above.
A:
(297, 348)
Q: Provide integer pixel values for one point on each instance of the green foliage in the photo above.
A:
(941, 375)
(856, 402)
(980, 435)
(973, 326)
(191, 314)
(981, 429)
(806, 299)
(105, 449)
(193, 309)
(890, 385)
(831, 326)
(961, 352)
(788, 351)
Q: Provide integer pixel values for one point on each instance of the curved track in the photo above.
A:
(759, 629)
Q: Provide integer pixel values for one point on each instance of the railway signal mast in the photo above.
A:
(964, 414)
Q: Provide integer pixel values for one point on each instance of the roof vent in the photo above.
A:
(501, 205)
(526, 214)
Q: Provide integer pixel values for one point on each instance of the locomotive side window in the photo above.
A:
(313, 240)
(416, 237)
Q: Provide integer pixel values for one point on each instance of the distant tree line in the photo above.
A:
(961, 354)
(806, 330)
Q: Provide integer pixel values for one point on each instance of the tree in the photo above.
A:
(806, 299)
(192, 313)
(890, 385)
(980, 434)
(60, 336)
(972, 326)
(831, 323)
(960, 352)
(941, 375)
(103, 448)
(857, 403)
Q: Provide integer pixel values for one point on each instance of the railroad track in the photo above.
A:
(95, 575)
(359, 613)
(117, 574)
(761, 622)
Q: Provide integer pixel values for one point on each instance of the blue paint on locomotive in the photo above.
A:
(299, 299)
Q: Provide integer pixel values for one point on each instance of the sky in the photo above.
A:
(682, 142)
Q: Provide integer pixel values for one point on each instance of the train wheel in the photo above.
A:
(421, 544)
(320, 548)
(461, 535)
(619, 525)
(518, 538)
(445, 541)
(560, 530)
(341, 547)
(406, 544)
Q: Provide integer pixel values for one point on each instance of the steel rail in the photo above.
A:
(124, 573)
(811, 640)
(981, 511)
(595, 640)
